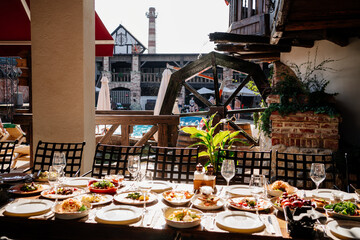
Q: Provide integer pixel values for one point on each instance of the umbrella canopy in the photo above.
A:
(15, 34)
(205, 90)
(104, 95)
(243, 92)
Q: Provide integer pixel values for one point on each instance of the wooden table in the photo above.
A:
(88, 228)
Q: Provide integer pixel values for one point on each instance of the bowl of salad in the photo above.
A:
(182, 217)
(344, 210)
(102, 186)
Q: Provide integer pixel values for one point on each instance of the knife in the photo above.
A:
(271, 227)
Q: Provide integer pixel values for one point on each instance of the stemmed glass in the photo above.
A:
(53, 181)
(317, 173)
(228, 170)
(257, 188)
(145, 185)
(59, 163)
(134, 166)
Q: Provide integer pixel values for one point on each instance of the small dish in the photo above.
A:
(177, 197)
(61, 214)
(182, 224)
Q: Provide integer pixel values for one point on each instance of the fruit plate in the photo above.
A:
(237, 204)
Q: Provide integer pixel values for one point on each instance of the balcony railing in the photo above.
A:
(121, 77)
(151, 77)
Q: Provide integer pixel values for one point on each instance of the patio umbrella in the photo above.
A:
(104, 95)
(243, 92)
(205, 90)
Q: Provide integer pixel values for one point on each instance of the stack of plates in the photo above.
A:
(28, 207)
(345, 229)
(122, 215)
(242, 222)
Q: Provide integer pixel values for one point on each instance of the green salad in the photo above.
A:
(345, 208)
(103, 184)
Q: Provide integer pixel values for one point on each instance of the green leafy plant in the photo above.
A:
(212, 141)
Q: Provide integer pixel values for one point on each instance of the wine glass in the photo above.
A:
(59, 163)
(134, 166)
(257, 188)
(145, 185)
(228, 170)
(53, 176)
(317, 173)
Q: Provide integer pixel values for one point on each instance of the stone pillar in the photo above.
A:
(135, 79)
(63, 68)
(106, 68)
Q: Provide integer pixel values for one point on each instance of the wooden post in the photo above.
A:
(125, 129)
(250, 3)
(162, 134)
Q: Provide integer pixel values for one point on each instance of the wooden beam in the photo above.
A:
(253, 48)
(325, 24)
(281, 14)
(125, 131)
(242, 132)
(125, 112)
(216, 80)
(109, 133)
(221, 37)
(136, 119)
(261, 56)
(233, 95)
(147, 136)
(197, 94)
(247, 110)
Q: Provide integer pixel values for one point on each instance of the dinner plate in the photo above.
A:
(77, 181)
(122, 215)
(344, 229)
(239, 190)
(17, 189)
(121, 198)
(179, 199)
(28, 207)
(13, 177)
(242, 222)
(327, 194)
(46, 194)
(264, 204)
(106, 198)
(160, 186)
(200, 204)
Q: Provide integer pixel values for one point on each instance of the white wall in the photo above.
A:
(345, 80)
(143, 100)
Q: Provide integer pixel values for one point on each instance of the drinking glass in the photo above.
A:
(53, 176)
(59, 163)
(228, 170)
(317, 173)
(145, 185)
(134, 166)
(257, 187)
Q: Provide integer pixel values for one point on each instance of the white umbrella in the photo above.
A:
(104, 95)
(243, 92)
(204, 90)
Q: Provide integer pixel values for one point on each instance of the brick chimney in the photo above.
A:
(152, 32)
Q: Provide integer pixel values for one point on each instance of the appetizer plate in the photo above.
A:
(264, 204)
(17, 189)
(160, 186)
(327, 194)
(13, 177)
(122, 215)
(334, 214)
(239, 190)
(99, 190)
(344, 229)
(78, 181)
(200, 204)
(105, 198)
(121, 198)
(278, 193)
(28, 207)
(71, 215)
(179, 197)
(242, 222)
(48, 194)
(181, 224)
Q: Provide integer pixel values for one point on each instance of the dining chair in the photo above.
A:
(172, 163)
(113, 159)
(45, 152)
(6, 155)
(246, 164)
(295, 169)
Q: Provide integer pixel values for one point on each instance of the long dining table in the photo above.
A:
(152, 224)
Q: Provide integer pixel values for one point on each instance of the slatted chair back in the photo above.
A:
(45, 152)
(6, 155)
(295, 169)
(246, 164)
(173, 163)
(113, 159)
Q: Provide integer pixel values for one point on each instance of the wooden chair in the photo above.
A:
(45, 152)
(15, 133)
(173, 163)
(6, 155)
(112, 159)
(295, 169)
(246, 164)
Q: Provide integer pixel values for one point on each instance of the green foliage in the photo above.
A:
(222, 140)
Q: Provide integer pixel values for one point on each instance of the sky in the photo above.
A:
(182, 26)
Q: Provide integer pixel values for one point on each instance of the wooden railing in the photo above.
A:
(121, 77)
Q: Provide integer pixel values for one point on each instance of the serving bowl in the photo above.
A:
(99, 190)
(71, 215)
(181, 224)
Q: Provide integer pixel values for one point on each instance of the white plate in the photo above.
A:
(327, 194)
(160, 186)
(239, 190)
(277, 193)
(118, 215)
(345, 229)
(168, 211)
(243, 222)
(71, 215)
(265, 204)
(179, 201)
(46, 194)
(28, 207)
(107, 198)
(121, 198)
(200, 204)
(78, 181)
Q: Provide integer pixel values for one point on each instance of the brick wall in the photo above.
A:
(305, 130)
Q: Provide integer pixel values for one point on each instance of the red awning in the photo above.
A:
(15, 33)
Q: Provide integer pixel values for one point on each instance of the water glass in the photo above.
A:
(145, 185)
(59, 162)
(257, 187)
(317, 173)
(53, 176)
(134, 166)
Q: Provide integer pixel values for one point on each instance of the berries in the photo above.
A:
(293, 201)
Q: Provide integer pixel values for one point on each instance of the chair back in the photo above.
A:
(6, 155)
(45, 152)
(173, 163)
(246, 164)
(295, 169)
(113, 159)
